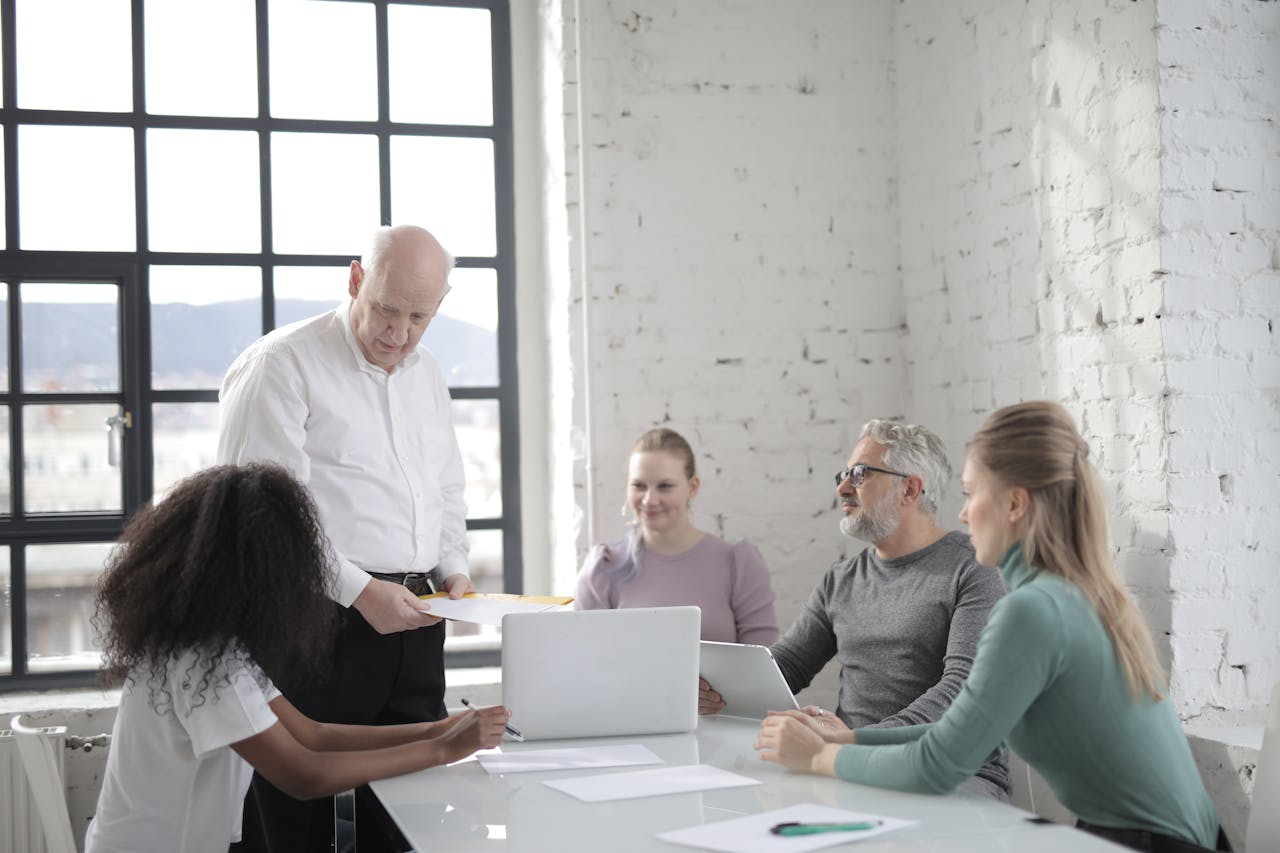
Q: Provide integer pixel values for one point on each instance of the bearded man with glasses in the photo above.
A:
(903, 615)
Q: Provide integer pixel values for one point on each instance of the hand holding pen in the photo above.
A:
(511, 730)
(462, 734)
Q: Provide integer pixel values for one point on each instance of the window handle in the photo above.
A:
(115, 422)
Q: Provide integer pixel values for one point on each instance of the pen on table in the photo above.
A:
(798, 828)
(511, 730)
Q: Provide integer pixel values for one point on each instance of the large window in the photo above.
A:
(181, 176)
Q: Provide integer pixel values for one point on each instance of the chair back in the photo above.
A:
(41, 766)
(1029, 791)
(1264, 812)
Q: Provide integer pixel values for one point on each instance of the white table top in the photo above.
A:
(463, 808)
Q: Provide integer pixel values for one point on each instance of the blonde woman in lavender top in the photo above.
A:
(666, 561)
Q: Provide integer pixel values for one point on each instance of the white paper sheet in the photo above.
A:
(484, 611)
(575, 758)
(750, 834)
(650, 783)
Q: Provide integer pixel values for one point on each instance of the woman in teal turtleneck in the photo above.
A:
(1065, 670)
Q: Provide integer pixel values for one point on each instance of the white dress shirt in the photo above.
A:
(376, 449)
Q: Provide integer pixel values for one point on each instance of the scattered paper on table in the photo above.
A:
(750, 834)
(575, 758)
(476, 756)
(650, 783)
(488, 608)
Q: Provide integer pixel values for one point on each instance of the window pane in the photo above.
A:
(464, 335)
(75, 188)
(441, 65)
(186, 441)
(60, 590)
(486, 574)
(446, 186)
(201, 319)
(202, 58)
(203, 193)
(6, 614)
(303, 292)
(6, 473)
(476, 425)
(4, 190)
(70, 337)
(4, 336)
(324, 192)
(66, 461)
(75, 55)
(322, 60)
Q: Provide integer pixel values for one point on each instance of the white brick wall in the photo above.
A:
(1220, 247)
(783, 219)
(1030, 259)
(740, 267)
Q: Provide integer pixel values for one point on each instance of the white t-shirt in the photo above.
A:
(173, 782)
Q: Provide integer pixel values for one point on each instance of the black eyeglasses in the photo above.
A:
(857, 475)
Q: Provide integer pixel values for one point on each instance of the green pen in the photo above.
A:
(797, 828)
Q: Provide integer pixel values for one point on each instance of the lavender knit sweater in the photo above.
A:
(729, 582)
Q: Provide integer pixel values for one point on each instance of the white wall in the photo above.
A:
(737, 277)
(1220, 251)
(1029, 161)
(788, 218)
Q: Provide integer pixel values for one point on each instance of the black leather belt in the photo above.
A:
(1155, 842)
(418, 583)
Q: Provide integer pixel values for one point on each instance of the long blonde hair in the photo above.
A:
(1036, 446)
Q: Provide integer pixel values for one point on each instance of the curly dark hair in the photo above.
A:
(230, 563)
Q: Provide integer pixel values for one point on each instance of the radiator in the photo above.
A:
(20, 830)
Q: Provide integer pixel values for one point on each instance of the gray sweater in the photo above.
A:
(905, 632)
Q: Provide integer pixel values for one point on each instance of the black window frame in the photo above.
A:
(130, 270)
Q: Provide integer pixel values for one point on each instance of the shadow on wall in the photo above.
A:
(1049, 254)
(1098, 178)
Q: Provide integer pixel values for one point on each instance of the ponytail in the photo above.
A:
(1036, 446)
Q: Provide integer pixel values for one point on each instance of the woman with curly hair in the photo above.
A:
(1065, 670)
(210, 596)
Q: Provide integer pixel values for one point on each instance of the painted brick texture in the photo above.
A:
(741, 265)
(1220, 251)
(786, 218)
(1029, 188)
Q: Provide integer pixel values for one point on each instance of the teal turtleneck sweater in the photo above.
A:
(1047, 679)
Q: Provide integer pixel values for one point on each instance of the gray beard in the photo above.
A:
(874, 523)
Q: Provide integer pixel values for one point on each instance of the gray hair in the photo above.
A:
(381, 241)
(912, 449)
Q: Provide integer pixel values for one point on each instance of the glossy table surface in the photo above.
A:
(463, 808)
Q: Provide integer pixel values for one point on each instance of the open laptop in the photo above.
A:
(597, 673)
(747, 678)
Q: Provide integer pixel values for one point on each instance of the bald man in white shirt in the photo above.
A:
(351, 404)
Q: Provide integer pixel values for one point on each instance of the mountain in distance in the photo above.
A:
(73, 347)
